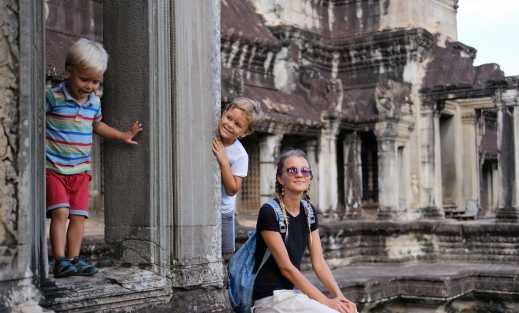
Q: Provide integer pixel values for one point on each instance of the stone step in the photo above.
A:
(112, 289)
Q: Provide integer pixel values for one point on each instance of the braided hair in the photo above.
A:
(279, 189)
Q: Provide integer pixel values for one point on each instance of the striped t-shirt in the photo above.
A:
(69, 131)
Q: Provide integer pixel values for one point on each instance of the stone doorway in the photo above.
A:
(369, 164)
(489, 189)
(65, 23)
(135, 215)
(450, 194)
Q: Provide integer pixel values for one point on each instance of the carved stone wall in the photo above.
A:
(336, 19)
(19, 204)
(9, 136)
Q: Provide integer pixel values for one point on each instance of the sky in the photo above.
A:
(492, 27)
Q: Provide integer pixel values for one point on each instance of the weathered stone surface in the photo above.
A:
(111, 290)
(20, 296)
(9, 58)
(351, 242)
(413, 285)
(202, 300)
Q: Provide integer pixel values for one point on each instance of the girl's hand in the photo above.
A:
(218, 151)
(132, 132)
(341, 305)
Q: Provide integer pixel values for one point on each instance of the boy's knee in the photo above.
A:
(77, 219)
(60, 214)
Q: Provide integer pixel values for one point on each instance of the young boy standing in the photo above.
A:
(73, 112)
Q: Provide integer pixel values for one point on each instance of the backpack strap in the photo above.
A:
(264, 260)
(279, 215)
(310, 217)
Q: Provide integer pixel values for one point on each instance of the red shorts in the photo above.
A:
(67, 191)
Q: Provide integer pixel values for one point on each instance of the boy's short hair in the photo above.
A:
(87, 54)
(248, 106)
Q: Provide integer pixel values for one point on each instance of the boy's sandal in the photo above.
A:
(64, 268)
(83, 268)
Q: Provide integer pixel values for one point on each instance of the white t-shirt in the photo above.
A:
(239, 161)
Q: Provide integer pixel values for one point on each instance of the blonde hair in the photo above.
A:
(87, 54)
(248, 106)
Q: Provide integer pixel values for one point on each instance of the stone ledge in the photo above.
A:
(202, 300)
(111, 290)
(368, 284)
(441, 241)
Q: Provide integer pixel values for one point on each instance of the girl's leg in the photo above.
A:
(265, 305)
(304, 304)
(58, 231)
(76, 229)
(292, 301)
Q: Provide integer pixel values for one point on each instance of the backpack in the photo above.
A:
(240, 270)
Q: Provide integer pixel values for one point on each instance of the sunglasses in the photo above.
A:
(305, 171)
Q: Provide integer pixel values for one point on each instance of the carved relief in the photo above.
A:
(392, 99)
(233, 84)
(324, 93)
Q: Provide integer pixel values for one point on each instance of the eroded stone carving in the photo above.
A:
(392, 99)
(319, 91)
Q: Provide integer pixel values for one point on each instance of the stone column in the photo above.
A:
(394, 177)
(471, 192)
(429, 202)
(196, 245)
(328, 198)
(388, 186)
(515, 118)
(137, 178)
(507, 125)
(268, 154)
(312, 153)
(352, 175)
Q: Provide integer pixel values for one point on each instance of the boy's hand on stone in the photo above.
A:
(218, 150)
(132, 132)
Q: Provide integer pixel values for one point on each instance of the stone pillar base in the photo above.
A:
(190, 275)
(201, 300)
(352, 215)
(510, 215)
(431, 213)
(389, 213)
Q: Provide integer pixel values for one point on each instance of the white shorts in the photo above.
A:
(290, 301)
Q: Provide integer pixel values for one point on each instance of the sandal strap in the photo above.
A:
(64, 265)
(82, 265)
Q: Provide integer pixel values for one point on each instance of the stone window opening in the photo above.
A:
(488, 160)
(248, 201)
(488, 189)
(341, 164)
(369, 161)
